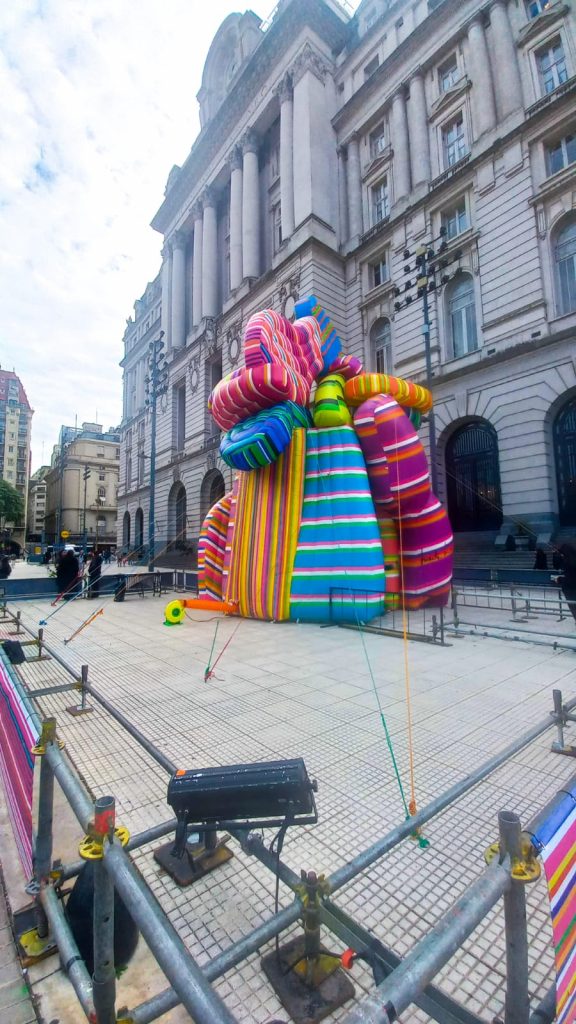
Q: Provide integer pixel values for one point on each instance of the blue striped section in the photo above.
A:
(339, 546)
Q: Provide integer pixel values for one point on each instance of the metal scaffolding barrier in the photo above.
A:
(405, 982)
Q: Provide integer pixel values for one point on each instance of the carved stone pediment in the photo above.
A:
(309, 60)
(447, 98)
(542, 23)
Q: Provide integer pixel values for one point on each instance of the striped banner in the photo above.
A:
(266, 522)
(18, 735)
(556, 841)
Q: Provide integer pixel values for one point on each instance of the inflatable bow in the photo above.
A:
(331, 515)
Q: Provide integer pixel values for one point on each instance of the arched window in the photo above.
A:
(381, 344)
(565, 260)
(462, 315)
(212, 490)
(139, 529)
(564, 432)
(177, 516)
(126, 531)
(473, 478)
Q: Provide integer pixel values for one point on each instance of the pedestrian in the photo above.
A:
(567, 579)
(541, 561)
(94, 573)
(5, 567)
(67, 574)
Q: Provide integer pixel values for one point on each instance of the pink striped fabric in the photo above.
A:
(271, 338)
(18, 735)
(249, 390)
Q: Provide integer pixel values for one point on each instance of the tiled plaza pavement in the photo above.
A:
(299, 690)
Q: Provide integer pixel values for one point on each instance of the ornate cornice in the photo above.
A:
(178, 240)
(252, 79)
(284, 89)
(208, 197)
(235, 159)
(197, 210)
(542, 23)
(309, 59)
(249, 142)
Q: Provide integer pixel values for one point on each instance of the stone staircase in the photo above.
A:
(477, 551)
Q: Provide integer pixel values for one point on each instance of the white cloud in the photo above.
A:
(98, 102)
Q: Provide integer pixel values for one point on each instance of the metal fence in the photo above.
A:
(406, 983)
(523, 614)
(351, 608)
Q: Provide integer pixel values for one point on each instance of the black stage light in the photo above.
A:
(265, 794)
(397, 306)
(408, 300)
(431, 286)
(406, 255)
(407, 285)
(407, 268)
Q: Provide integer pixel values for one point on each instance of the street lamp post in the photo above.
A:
(86, 475)
(428, 263)
(156, 385)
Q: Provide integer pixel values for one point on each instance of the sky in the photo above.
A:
(97, 103)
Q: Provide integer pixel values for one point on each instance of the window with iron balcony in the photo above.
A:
(455, 220)
(454, 143)
(380, 201)
(560, 154)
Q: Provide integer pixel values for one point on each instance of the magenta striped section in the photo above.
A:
(17, 736)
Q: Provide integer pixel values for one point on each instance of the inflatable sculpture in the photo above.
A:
(331, 515)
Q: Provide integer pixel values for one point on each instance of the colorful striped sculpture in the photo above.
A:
(334, 521)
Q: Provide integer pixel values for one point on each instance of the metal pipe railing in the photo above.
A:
(382, 846)
(72, 962)
(147, 744)
(396, 993)
(180, 968)
(225, 961)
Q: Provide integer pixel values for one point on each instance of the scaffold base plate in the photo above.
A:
(187, 870)
(305, 1005)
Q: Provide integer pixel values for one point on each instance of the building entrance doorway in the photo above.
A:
(473, 478)
(564, 432)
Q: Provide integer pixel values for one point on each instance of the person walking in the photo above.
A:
(541, 561)
(67, 574)
(567, 579)
(5, 567)
(94, 574)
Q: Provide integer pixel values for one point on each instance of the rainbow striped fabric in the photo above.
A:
(339, 546)
(18, 735)
(260, 439)
(212, 548)
(331, 344)
(555, 840)
(263, 545)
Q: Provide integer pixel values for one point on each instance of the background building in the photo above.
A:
(331, 149)
(15, 434)
(82, 485)
(36, 505)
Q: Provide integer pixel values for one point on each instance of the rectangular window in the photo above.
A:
(560, 154)
(379, 272)
(448, 73)
(551, 66)
(179, 414)
(276, 227)
(371, 67)
(275, 161)
(454, 141)
(455, 221)
(380, 203)
(535, 7)
(141, 467)
(377, 141)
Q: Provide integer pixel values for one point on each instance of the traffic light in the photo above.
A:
(87, 473)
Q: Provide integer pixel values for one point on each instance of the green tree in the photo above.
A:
(11, 504)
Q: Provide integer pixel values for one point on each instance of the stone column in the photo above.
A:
(286, 156)
(505, 61)
(400, 147)
(342, 198)
(419, 137)
(178, 290)
(250, 207)
(236, 219)
(354, 184)
(166, 279)
(482, 88)
(197, 265)
(315, 184)
(209, 255)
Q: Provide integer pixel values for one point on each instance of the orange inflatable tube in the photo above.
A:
(174, 611)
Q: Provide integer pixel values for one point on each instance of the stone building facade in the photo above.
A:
(83, 504)
(331, 150)
(15, 437)
(36, 505)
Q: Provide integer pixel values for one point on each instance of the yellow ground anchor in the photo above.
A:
(48, 735)
(313, 964)
(525, 868)
(92, 846)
